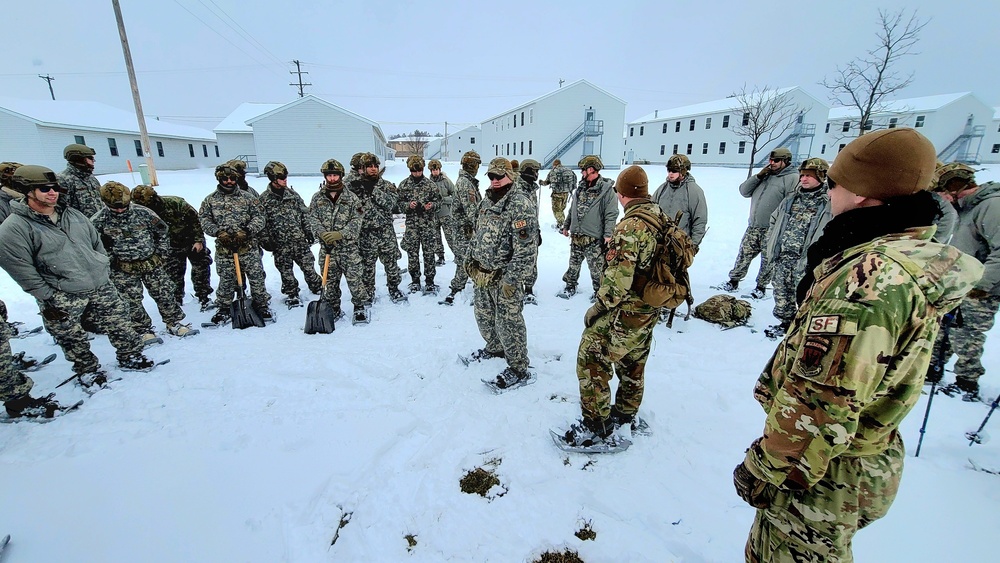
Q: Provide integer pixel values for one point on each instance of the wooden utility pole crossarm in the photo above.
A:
(143, 134)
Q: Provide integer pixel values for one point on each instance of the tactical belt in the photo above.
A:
(137, 266)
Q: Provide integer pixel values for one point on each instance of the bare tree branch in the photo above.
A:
(764, 116)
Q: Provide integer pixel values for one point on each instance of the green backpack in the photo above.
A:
(666, 283)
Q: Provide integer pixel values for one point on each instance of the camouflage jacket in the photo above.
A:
(231, 212)
(7, 195)
(766, 194)
(378, 199)
(467, 198)
(561, 180)
(505, 239)
(978, 232)
(246, 187)
(182, 222)
(134, 234)
(594, 210)
(632, 248)
(447, 189)
(421, 192)
(83, 191)
(529, 189)
(344, 214)
(853, 361)
(286, 219)
(797, 223)
(688, 198)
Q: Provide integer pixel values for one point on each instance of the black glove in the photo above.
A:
(51, 312)
(468, 231)
(592, 314)
(756, 492)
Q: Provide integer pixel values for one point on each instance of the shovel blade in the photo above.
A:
(244, 315)
(319, 318)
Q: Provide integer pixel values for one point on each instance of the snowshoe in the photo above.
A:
(775, 332)
(27, 333)
(529, 297)
(138, 362)
(510, 379)
(414, 287)
(582, 438)
(220, 318)
(361, 316)
(757, 293)
(450, 300)
(730, 286)
(37, 409)
(593, 297)
(440, 261)
(635, 424)
(206, 305)
(292, 302)
(480, 355)
(150, 339)
(23, 363)
(567, 292)
(396, 296)
(182, 330)
(431, 289)
(265, 313)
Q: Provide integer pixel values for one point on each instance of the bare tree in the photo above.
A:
(765, 115)
(865, 83)
(416, 141)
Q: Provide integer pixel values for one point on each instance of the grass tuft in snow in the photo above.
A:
(564, 557)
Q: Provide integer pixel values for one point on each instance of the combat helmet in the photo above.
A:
(369, 159)
(275, 170)
(77, 152)
(30, 177)
(434, 164)
(356, 161)
(817, 165)
(590, 161)
(679, 163)
(115, 195)
(781, 153)
(240, 166)
(146, 196)
(471, 162)
(332, 166)
(415, 163)
(226, 170)
(7, 171)
(501, 165)
(956, 171)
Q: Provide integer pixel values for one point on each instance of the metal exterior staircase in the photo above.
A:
(793, 141)
(961, 147)
(589, 128)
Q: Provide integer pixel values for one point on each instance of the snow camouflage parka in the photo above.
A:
(850, 368)
(687, 197)
(83, 190)
(978, 233)
(766, 194)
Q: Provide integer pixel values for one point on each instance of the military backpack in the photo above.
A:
(666, 283)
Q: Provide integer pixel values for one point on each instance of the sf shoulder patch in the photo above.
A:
(826, 324)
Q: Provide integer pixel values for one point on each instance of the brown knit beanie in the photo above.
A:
(632, 182)
(885, 164)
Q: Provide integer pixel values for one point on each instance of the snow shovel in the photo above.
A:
(319, 317)
(241, 312)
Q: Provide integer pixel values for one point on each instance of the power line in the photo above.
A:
(215, 31)
(240, 31)
(152, 71)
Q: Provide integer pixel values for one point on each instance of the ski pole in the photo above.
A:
(937, 372)
(974, 437)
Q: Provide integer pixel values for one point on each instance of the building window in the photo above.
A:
(800, 118)
(822, 150)
(892, 123)
(216, 151)
(522, 119)
(691, 126)
(708, 123)
(677, 127)
(472, 140)
(138, 148)
(522, 148)
(531, 115)
(995, 149)
(868, 125)
(689, 148)
(842, 145)
(722, 147)
(742, 148)
(664, 126)
(508, 150)
(663, 149)
(159, 148)
(204, 150)
(631, 131)
(642, 129)
(113, 146)
(675, 149)
(827, 128)
(191, 150)
(78, 139)
(846, 127)
(920, 121)
(746, 118)
(515, 121)
(704, 148)
(529, 147)
(725, 122)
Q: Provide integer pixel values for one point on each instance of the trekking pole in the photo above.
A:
(937, 372)
(670, 318)
(974, 437)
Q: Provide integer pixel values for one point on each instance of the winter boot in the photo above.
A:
(567, 292)
(618, 418)
(220, 317)
(265, 312)
(149, 339)
(182, 330)
(206, 304)
(529, 296)
(450, 300)
(510, 377)
(758, 292)
(360, 315)
(98, 377)
(414, 287)
(395, 295)
(970, 390)
(777, 331)
(135, 362)
(484, 354)
(22, 362)
(292, 301)
(430, 288)
(32, 407)
(440, 261)
(588, 432)
(730, 286)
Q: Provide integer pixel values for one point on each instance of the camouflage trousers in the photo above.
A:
(617, 343)
(501, 323)
(420, 235)
(107, 311)
(968, 340)
(559, 207)
(532, 276)
(298, 253)
(753, 243)
(201, 271)
(161, 289)
(13, 383)
(345, 261)
(252, 270)
(379, 243)
(446, 225)
(818, 524)
(461, 278)
(589, 248)
(785, 283)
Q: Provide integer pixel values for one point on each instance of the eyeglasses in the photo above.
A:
(230, 178)
(496, 177)
(281, 176)
(673, 170)
(47, 189)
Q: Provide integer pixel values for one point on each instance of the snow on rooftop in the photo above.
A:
(715, 106)
(236, 122)
(908, 105)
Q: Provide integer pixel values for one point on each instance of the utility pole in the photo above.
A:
(298, 70)
(49, 79)
(561, 82)
(444, 153)
(143, 134)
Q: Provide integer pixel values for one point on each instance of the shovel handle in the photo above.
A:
(326, 268)
(239, 275)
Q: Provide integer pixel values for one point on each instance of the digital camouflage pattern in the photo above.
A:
(504, 245)
(836, 389)
(232, 212)
(13, 383)
(586, 248)
(754, 242)
(185, 231)
(288, 234)
(83, 190)
(465, 209)
(136, 239)
(420, 198)
(795, 224)
(378, 238)
(968, 340)
(444, 219)
(531, 189)
(619, 341)
(724, 310)
(109, 314)
(340, 210)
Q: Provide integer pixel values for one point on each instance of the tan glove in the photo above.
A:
(508, 290)
(593, 313)
(330, 237)
(224, 239)
(240, 239)
(478, 276)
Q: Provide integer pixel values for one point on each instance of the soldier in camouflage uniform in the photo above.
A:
(562, 180)
(499, 258)
(241, 168)
(187, 243)
(83, 191)
(851, 365)
(136, 240)
(465, 208)
(55, 254)
(443, 218)
(591, 220)
(796, 223)
(235, 218)
(527, 183)
(287, 233)
(7, 192)
(378, 238)
(766, 189)
(681, 193)
(354, 174)
(619, 325)
(420, 199)
(978, 234)
(336, 215)
(14, 385)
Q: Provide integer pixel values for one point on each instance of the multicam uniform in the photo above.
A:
(837, 388)
(444, 220)
(232, 212)
(185, 231)
(619, 340)
(420, 225)
(464, 213)
(503, 247)
(378, 239)
(340, 210)
(591, 218)
(136, 240)
(561, 179)
(83, 190)
(289, 236)
(765, 195)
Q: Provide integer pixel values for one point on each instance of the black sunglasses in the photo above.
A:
(47, 189)
(230, 178)
(495, 176)
(281, 176)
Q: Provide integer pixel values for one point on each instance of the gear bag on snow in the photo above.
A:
(666, 283)
(724, 310)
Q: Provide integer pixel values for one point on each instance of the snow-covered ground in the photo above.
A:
(256, 445)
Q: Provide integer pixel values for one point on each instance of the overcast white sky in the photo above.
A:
(410, 64)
